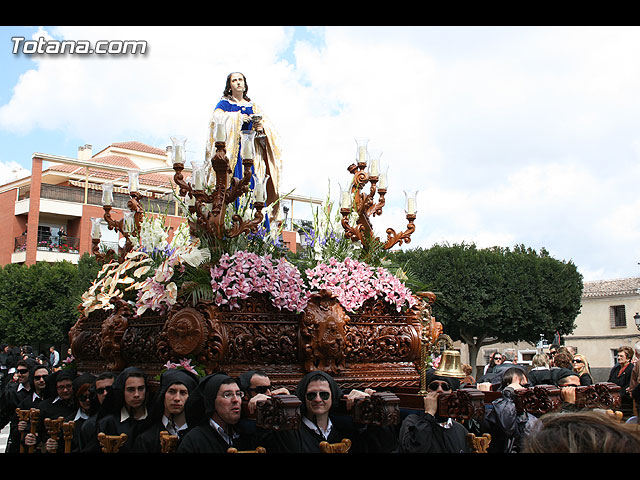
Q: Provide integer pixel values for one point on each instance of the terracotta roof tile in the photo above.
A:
(140, 147)
(606, 288)
(118, 160)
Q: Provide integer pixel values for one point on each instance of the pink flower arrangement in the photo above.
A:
(157, 292)
(237, 276)
(185, 364)
(353, 283)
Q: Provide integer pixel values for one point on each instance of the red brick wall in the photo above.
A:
(12, 226)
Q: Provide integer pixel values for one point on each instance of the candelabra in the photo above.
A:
(356, 199)
(127, 226)
(210, 207)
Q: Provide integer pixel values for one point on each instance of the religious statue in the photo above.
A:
(243, 114)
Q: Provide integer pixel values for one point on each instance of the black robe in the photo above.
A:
(364, 439)
(54, 408)
(421, 433)
(205, 439)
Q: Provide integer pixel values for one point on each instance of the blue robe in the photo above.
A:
(238, 171)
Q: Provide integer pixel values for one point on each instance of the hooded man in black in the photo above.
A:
(87, 434)
(59, 402)
(125, 407)
(38, 382)
(167, 412)
(213, 414)
(322, 421)
(426, 432)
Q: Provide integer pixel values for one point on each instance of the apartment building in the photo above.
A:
(47, 217)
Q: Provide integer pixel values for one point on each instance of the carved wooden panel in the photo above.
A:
(379, 409)
(538, 400)
(376, 347)
(280, 412)
(465, 404)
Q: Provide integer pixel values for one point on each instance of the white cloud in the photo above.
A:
(512, 134)
(11, 171)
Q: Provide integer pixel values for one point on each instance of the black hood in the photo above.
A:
(114, 400)
(301, 389)
(201, 403)
(168, 378)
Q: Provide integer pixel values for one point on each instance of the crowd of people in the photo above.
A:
(214, 413)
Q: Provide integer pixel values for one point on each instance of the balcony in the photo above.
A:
(49, 243)
(94, 197)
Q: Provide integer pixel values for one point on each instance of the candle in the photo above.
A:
(107, 193)
(260, 188)
(133, 182)
(382, 181)
(178, 149)
(362, 149)
(246, 148)
(128, 224)
(220, 130)
(95, 227)
(411, 203)
(178, 154)
(345, 198)
(362, 154)
(198, 176)
(411, 206)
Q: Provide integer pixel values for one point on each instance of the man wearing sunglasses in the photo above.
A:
(88, 433)
(256, 382)
(426, 432)
(38, 383)
(13, 395)
(59, 403)
(323, 421)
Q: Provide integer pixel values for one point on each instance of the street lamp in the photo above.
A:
(636, 317)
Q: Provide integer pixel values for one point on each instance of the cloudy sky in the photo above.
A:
(511, 135)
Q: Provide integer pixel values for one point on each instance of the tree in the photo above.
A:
(497, 294)
(38, 303)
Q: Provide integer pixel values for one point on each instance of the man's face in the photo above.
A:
(439, 386)
(134, 392)
(228, 403)
(175, 399)
(102, 387)
(23, 374)
(318, 397)
(259, 384)
(65, 389)
(40, 379)
(570, 380)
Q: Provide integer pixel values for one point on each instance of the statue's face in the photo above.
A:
(237, 83)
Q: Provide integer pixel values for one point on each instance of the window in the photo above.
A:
(617, 316)
(526, 356)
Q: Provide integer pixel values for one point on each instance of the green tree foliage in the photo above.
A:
(38, 303)
(498, 294)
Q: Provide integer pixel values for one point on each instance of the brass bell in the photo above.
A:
(450, 365)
